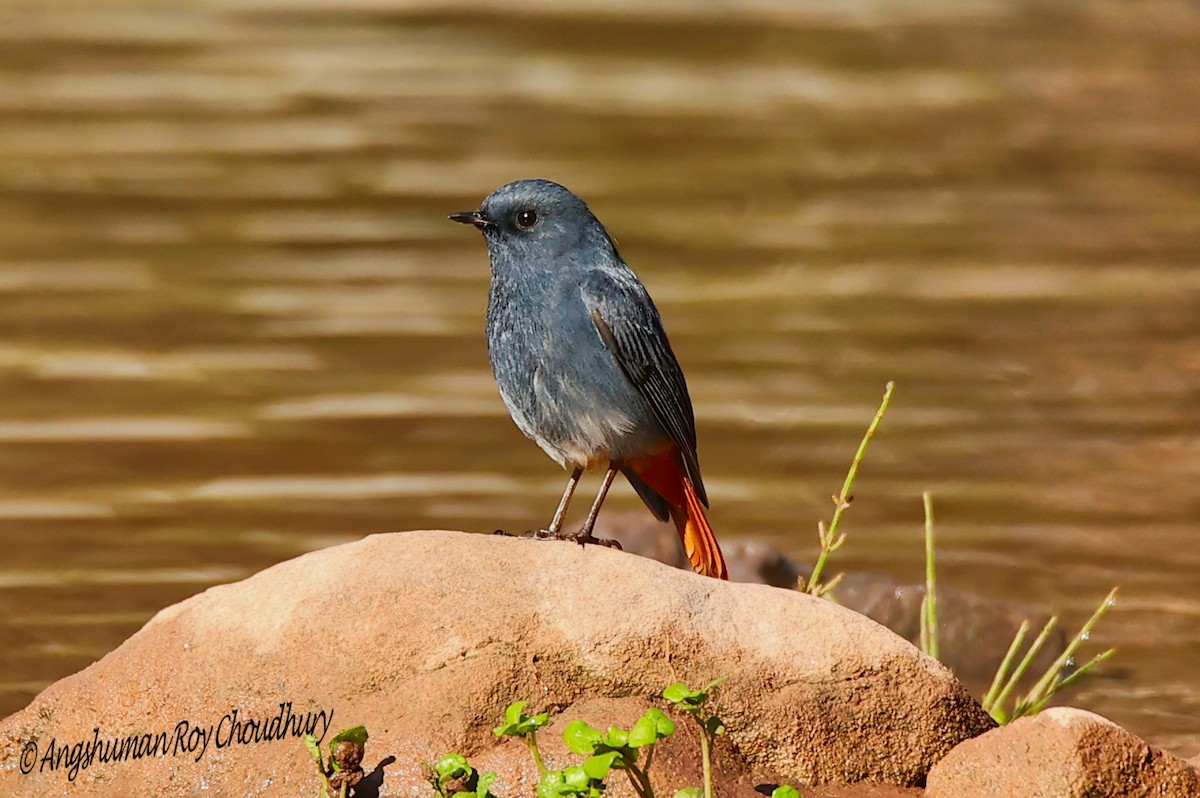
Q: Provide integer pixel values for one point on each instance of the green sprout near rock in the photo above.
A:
(929, 627)
(524, 727)
(615, 749)
(1052, 679)
(785, 791)
(575, 781)
(1007, 676)
(344, 771)
(828, 536)
(452, 776)
(695, 703)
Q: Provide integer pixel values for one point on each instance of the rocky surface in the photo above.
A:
(974, 633)
(1061, 753)
(424, 637)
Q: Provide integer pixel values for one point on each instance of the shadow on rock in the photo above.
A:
(370, 786)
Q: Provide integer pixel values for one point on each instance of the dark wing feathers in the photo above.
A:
(628, 323)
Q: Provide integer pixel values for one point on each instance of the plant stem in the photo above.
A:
(1068, 679)
(706, 759)
(829, 540)
(531, 741)
(1002, 672)
(324, 777)
(633, 782)
(997, 710)
(1050, 682)
(640, 780)
(929, 613)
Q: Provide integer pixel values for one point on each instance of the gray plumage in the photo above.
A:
(576, 344)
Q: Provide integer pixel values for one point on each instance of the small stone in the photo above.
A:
(1062, 752)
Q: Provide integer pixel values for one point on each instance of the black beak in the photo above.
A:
(472, 217)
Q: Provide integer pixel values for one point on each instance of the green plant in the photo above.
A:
(573, 781)
(1052, 679)
(618, 749)
(1007, 676)
(344, 771)
(695, 703)
(828, 536)
(524, 727)
(452, 776)
(929, 627)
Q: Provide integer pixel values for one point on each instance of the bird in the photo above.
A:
(583, 363)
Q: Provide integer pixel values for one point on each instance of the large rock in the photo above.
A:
(424, 637)
(1061, 753)
(974, 633)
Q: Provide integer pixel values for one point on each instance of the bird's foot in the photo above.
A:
(585, 538)
(547, 534)
(582, 538)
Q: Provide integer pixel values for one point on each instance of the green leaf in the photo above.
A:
(685, 698)
(597, 767)
(689, 792)
(616, 737)
(576, 778)
(650, 728)
(518, 724)
(663, 726)
(484, 784)
(566, 783)
(785, 791)
(355, 734)
(581, 738)
(678, 692)
(550, 784)
(453, 766)
(314, 748)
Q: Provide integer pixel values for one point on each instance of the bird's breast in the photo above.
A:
(561, 384)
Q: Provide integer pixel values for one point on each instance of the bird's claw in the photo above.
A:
(582, 539)
(586, 538)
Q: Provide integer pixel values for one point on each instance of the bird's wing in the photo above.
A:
(629, 325)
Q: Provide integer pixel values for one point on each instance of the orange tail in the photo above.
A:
(698, 539)
(665, 474)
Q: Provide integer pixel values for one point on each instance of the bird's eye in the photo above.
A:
(526, 219)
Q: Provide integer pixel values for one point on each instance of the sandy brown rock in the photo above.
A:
(677, 759)
(1061, 753)
(974, 632)
(424, 637)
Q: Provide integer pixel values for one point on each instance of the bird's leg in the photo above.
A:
(585, 532)
(561, 513)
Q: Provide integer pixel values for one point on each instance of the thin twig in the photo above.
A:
(830, 542)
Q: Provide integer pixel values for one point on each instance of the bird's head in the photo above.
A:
(533, 220)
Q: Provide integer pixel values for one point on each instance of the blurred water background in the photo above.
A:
(236, 326)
